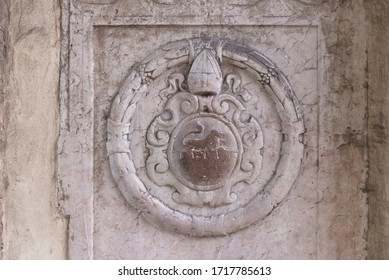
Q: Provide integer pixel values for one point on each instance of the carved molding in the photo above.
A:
(205, 137)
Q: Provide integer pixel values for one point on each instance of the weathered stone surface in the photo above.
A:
(233, 96)
(342, 176)
(378, 71)
(2, 29)
(333, 53)
(320, 47)
(33, 226)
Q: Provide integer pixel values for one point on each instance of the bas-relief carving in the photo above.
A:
(298, 38)
(205, 137)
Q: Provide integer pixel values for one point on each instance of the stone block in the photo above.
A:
(215, 130)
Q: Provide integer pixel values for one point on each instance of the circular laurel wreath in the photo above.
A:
(119, 135)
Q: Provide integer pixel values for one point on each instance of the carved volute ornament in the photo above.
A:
(205, 137)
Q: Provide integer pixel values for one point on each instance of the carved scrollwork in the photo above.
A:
(194, 160)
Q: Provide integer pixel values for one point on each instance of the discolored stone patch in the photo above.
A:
(208, 161)
(205, 152)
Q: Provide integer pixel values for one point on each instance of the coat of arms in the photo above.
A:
(205, 137)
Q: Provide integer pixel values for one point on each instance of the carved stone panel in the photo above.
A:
(211, 129)
(247, 112)
(205, 136)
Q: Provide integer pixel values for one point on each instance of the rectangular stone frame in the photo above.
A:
(338, 195)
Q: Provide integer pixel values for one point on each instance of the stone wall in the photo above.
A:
(352, 72)
(2, 25)
(34, 228)
(378, 71)
(320, 47)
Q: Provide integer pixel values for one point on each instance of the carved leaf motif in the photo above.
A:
(221, 104)
(233, 82)
(244, 2)
(130, 112)
(175, 45)
(234, 196)
(311, 2)
(176, 53)
(166, 2)
(183, 102)
(175, 83)
(241, 57)
(157, 137)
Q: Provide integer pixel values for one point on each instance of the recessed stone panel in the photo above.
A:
(194, 137)
(254, 202)
(224, 145)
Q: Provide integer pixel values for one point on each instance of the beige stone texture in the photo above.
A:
(320, 46)
(378, 98)
(342, 211)
(335, 54)
(33, 226)
(2, 25)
